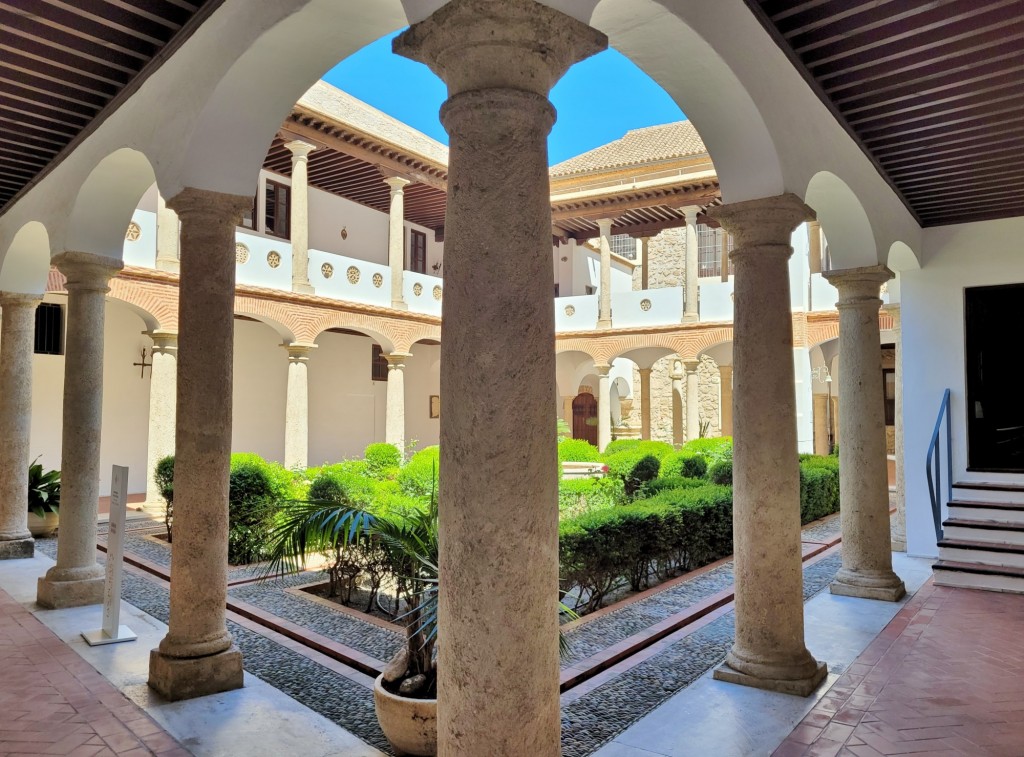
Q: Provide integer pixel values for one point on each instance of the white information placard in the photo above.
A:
(112, 632)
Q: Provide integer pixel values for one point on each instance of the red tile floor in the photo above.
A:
(945, 677)
(53, 702)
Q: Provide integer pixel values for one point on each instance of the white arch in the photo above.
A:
(26, 263)
(902, 258)
(848, 231)
(721, 353)
(105, 203)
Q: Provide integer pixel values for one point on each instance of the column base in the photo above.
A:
(17, 549)
(799, 687)
(899, 545)
(54, 595)
(893, 593)
(170, 266)
(176, 678)
(604, 324)
(303, 288)
(399, 305)
(691, 317)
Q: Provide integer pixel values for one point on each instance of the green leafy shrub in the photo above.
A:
(163, 476)
(677, 529)
(666, 482)
(620, 445)
(684, 464)
(579, 495)
(622, 462)
(577, 451)
(720, 472)
(382, 460)
(819, 487)
(712, 450)
(645, 470)
(419, 476)
(256, 491)
(43, 490)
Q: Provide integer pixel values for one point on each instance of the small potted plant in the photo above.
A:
(43, 500)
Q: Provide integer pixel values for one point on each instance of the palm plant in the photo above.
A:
(43, 490)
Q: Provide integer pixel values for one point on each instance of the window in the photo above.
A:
(278, 210)
(380, 364)
(417, 251)
(889, 384)
(709, 251)
(49, 329)
(624, 245)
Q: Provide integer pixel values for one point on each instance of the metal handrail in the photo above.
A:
(933, 462)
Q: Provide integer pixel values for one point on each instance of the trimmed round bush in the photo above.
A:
(577, 451)
(645, 470)
(621, 463)
(620, 445)
(382, 460)
(720, 472)
(684, 464)
(418, 477)
(711, 449)
(256, 490)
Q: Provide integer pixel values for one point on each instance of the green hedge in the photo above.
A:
(419, 476)
(720, 472)
(678, 529)
(256, 490)
(620, 445)
(621, 462)
(711, 449)
(580, 495)
(382, 460)
(686, 464)
(819, 487)
(577, 451)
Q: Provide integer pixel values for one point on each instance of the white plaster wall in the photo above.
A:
(586, 271)
(422, 379)
(125, 399)
(932, 312)
(260, 384)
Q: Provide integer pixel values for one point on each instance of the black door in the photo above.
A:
(995, 400)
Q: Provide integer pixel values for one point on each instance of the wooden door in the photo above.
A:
(584, 417)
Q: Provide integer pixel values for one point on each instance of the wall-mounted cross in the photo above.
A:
(143, 365)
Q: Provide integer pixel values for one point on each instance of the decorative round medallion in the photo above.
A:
(570, 310)
(133, 233)
(353, 274)
(645, 305)
(274, 259)
(437, 293)
(241, 254)
(378, 280)
(327, 270)
(417, 289)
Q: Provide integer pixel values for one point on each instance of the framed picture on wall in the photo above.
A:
(435, 406)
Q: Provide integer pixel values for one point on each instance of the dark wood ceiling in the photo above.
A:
(932, 90)
(64, 65)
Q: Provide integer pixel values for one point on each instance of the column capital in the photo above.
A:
(397, 183)
(766, 222)
(691, 366)
(18, 299)
(192, 202)
(602, 369)
(604, 226)
(858, 286)
(397, 359)
(163, 341)
(300, 150)
(299, 350)
(515, 44)
(86, 271)
(645, 371)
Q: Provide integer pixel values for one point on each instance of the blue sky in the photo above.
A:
(599, 99)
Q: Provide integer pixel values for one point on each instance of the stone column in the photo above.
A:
(499, 61)
(604, 307)
(166, 237)
(691, 311)
(163, 389)
(725, 372)
(396, 240)
(645, 403)
(197, 656)
(296, 412)
(821, 424)
(899, 522)
(17, 339)
(604, 406)
(814, 246)
(394, 424)
(692, 399)
(299, 222)
(723, 251)
(769, 650)
(678, 403)
(76, 579)
(863, 475)
(645, 254)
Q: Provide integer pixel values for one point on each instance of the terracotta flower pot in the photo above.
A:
(410, 725)
(44, 526)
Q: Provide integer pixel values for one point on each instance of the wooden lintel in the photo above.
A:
(612, 207)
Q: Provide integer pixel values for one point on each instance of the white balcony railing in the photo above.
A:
(716, 301)
(422, 292)
(647, 307)
(263, 261)
(576, 313)
(344, 278)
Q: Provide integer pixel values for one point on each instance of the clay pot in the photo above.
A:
(43, 527)
(410, 725)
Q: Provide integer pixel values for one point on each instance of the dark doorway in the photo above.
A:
(584, 417)
(995, 402)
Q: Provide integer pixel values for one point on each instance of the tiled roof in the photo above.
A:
(647, 145)
(341, 106)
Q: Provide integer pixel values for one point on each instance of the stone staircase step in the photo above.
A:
(973, 576)
(981, 553)
(1001, 512)
(984, 530)
(991, 491)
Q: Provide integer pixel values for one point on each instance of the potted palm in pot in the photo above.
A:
(43, 500)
